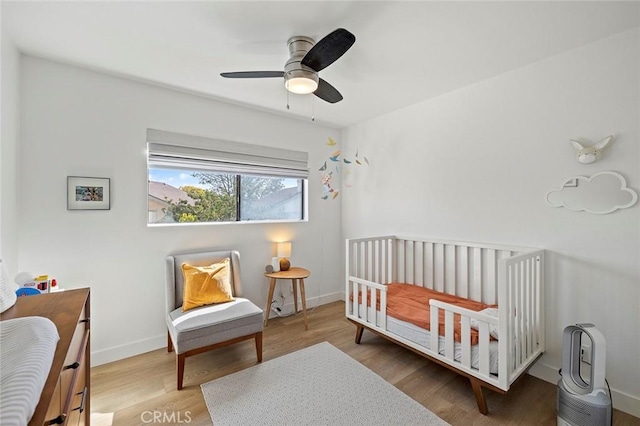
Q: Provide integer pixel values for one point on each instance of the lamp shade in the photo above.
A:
(284, 249)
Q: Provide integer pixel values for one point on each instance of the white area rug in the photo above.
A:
(319, 385)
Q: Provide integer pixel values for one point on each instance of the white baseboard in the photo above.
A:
(621, 401)
(128, 350)
(311, 302)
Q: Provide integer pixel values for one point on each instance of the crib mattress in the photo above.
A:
(422, 337)
(27, 347)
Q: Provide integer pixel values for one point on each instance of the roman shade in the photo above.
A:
(176, 150)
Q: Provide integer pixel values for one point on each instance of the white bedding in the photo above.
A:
(27, 347)
(422, 337)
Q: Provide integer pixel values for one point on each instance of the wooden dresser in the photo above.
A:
(65, 397)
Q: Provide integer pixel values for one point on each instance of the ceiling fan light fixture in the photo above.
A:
(306, 59)
(301, 85)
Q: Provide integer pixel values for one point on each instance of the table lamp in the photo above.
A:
(284, 252)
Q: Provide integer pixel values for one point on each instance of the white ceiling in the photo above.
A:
(405, 52)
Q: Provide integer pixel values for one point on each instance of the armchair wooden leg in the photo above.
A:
(169, 343)
(180, 368)
(259, 346)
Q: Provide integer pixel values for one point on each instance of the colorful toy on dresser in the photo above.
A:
(38, 285)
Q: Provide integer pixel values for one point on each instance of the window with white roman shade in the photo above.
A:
(199, 179)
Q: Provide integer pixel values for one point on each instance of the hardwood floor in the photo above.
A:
(142, 389)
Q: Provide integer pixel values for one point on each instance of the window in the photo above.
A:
(195, 179)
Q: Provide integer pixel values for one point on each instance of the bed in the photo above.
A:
(486, 301)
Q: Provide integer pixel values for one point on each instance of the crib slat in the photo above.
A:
(367, 262)
(448, 335)
(383, 310)
(532, 320)
(364, 304)
(540, 325)
(439, 267)
(393, 256)
(379, 261)
(477, 286)
(462, 287)
(429, 266)
(483, 348)
(535, 325)
(504, 373)
(418, 264)
(465, 336)
(523, 304)
(408, 262)
(374, 263)
(413, 264)
(373, 303)
(527, 307)
(360, 260)
(403, 262)
(434, 327)
(450, 269)
(512, 321)
(520, 310)
(489, 289)
(354, 307)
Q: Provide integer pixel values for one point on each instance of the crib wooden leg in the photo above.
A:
(359, 330)
(477, 390)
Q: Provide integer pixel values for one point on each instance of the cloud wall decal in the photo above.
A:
(602, 193)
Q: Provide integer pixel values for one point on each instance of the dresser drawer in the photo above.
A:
(75, 388)
(77, 345)
(78, 404)
(55, 406)
(79, 395)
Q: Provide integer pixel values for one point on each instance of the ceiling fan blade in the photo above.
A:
(253, 74)
(327, 92)
(329, 49)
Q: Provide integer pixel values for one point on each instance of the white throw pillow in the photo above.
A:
(493, 328)
(7, 289)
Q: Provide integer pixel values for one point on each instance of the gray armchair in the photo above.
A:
(212, 326)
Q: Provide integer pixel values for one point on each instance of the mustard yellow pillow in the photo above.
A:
(204, 285)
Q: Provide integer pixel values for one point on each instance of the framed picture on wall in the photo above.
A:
(88, 193)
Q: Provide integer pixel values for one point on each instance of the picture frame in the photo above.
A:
(88, 193)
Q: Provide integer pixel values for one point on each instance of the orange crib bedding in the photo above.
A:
(410, 303)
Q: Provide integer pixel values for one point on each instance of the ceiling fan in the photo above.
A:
(307, 58)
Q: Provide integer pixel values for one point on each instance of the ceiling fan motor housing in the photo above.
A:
(293, 68)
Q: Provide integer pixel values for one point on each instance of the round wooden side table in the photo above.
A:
(295, 274)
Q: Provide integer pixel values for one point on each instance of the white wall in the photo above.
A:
(9, 123)
(80, 123)
(475, 165)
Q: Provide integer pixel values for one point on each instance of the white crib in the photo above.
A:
(511, 277)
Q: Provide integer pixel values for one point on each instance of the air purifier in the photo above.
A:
(583, 395)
